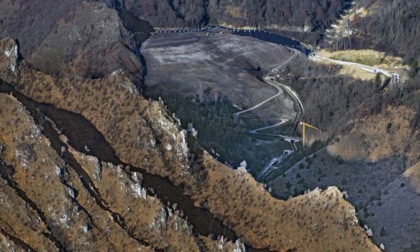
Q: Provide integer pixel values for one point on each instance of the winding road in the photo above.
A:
(296, 48)
(281, 88)
(366, 68)
(267, 80)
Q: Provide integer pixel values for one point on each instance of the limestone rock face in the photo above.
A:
(89, 164)
(9, 56)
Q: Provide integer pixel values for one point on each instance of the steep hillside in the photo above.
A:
(87, 206)
(413, 173)
(287, 15)
(78, 39)
(204, 79)
(88, 163)
(380, 136)
(388, 26)
(104, 127)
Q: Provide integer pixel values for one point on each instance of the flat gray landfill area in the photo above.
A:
(223, 65)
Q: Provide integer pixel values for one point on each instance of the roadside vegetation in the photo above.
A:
(219, 133)
(331, 100)
(365, 57)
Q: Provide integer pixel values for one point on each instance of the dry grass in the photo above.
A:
(140, 130)
(21, 222)
(413, 174)
(35, 164)
(142, 213)
(234, 12)
(366, 57)
(380, 136)
(317, 221)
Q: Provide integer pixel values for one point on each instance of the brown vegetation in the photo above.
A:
(380, 136)
(413, 173)
(144, 135)
(75, 218)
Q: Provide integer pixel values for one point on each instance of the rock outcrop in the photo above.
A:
(89, 197)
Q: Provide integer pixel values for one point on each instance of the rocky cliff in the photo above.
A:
(87, 163)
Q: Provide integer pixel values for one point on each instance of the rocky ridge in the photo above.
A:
(318, 220)
(81, 209)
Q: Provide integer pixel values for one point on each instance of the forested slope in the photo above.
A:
(390, 25)
(270, 13)
(96, 142)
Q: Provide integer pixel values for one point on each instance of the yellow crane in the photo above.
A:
(304, 125)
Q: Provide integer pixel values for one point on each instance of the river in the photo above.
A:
(141, 31)
(260, 34)
(82, 132)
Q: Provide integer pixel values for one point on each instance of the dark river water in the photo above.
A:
(263, 35)
(141, 29)
(274, 38)
(82, 132)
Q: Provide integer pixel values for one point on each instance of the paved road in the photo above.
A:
(358, 65)
(266, 78)
(281, 88)
(268, 167)
(285, 138)
(282, 121)
(288, 90)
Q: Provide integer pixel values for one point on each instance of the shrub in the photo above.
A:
(339, 160)
(366, 214)
(382, 232)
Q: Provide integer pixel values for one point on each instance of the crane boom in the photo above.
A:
(304, 125)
